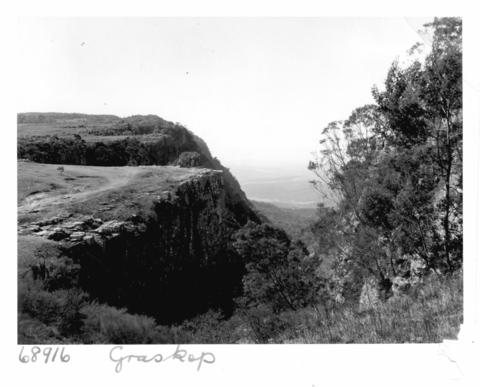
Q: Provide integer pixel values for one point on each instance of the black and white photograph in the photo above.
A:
(135, 228)
(185, 182)
(239, 195)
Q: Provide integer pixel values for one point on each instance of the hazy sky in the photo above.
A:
(258, 91)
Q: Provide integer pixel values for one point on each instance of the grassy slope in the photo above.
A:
(431, 312)
(61, 124)
(105, 192)
(42, 124)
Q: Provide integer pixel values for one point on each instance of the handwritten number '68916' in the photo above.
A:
(48, 354)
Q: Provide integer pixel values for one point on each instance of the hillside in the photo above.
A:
(108, 192)
(149, 230)
(295, 221)
(99, 140)
(145, 232)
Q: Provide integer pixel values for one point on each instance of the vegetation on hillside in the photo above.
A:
(430, 312)
(395, 169)
(162, 149)
(296, 222)
(103, 140)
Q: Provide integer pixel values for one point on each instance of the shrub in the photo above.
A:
(208, 328)
(33, 331)
(38, 303)
(189, 160)
(58, 311)
(265, 325)
(105, 324)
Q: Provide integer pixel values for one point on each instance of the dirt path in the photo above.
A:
(111, 178)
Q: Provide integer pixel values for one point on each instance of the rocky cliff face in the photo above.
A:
(151, 237)
(171, 260)
(172, 266)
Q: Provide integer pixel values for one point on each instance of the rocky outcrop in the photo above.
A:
(374, 291)
(115, 141)
(171, 263)
(170, 257)
(84, 228)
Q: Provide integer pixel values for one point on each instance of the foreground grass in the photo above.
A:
(431, 312)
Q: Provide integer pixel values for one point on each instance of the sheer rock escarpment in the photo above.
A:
(141, 211)
(167, 254)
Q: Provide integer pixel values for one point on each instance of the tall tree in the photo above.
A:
(395, 167)
(423, 107)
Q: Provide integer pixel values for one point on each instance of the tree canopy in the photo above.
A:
(395, 168)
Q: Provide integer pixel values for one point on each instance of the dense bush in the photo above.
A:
(189, 160)
(279, 273)
(104, 324)
(62, 316)
(161, 150)
(395, 171)
(429, 312)
(55, 272)
(59, 309)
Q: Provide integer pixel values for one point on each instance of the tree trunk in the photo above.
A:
(446, 220)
